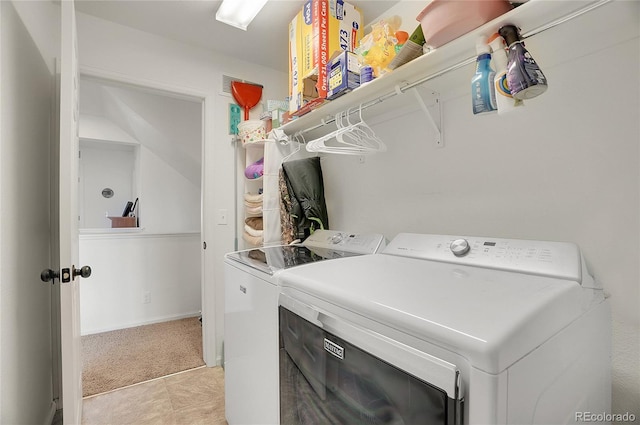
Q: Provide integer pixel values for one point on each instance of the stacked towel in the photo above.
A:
(253, 240)
(253, 203)
(253, 231)
(253, 226)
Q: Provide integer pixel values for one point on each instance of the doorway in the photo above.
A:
(143, 144)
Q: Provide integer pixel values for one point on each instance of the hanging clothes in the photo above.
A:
(303, 200)
(287, 224)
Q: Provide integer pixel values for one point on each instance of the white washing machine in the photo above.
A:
(251, 317)
(445, 330)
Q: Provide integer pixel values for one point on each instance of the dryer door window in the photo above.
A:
(327, 380)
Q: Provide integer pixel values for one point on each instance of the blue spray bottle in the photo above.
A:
(483, 96)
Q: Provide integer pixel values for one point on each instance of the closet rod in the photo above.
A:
(407, 86)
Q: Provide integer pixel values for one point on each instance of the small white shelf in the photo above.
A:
(531, 17)
(110, 230)
(256, 144)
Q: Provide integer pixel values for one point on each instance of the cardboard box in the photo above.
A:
(308, 107)
(343, 74)
(118, 222)
(272, 105)
(411, 50)
(321, 28)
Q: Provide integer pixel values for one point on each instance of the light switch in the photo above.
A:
(222, 217)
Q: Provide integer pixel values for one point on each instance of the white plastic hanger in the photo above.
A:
(297, 136)
(353, 138)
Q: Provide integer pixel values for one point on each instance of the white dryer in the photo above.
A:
(445, 330)
(251, 317)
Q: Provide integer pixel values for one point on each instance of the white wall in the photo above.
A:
(105, 165)
(138, 279)
(171, 202)
(565, 167)
(97, 127)
(119, 51)
(26, 391)
(168, 201)
(147, 146)
(168, 134)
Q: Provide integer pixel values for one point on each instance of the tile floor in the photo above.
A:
(190, 398)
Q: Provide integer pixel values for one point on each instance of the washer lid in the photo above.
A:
(272, 259)
(321, 245)
(492, 317)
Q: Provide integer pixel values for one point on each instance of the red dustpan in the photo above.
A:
(247, 95)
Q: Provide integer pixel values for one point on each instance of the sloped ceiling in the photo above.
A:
(169, 127)
(193, 22)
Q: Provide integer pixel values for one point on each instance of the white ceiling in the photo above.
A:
(193, 22)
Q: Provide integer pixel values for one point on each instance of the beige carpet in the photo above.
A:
(129, 356)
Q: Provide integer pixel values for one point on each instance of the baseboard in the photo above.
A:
(145, 322)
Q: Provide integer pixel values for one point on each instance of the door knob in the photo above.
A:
(82, 272)
(49, 275)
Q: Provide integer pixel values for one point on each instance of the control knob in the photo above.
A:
(460, 247)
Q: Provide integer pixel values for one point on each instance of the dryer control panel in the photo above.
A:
(553, 259)
(359, 243)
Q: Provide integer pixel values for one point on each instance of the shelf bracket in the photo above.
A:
(429, 102)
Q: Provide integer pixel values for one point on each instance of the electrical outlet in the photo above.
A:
(147, 297)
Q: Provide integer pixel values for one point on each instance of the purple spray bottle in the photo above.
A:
(525, 78)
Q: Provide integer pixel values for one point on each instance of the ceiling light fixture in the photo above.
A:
(239, 13)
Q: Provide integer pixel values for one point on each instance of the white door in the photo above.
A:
(70, 345)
